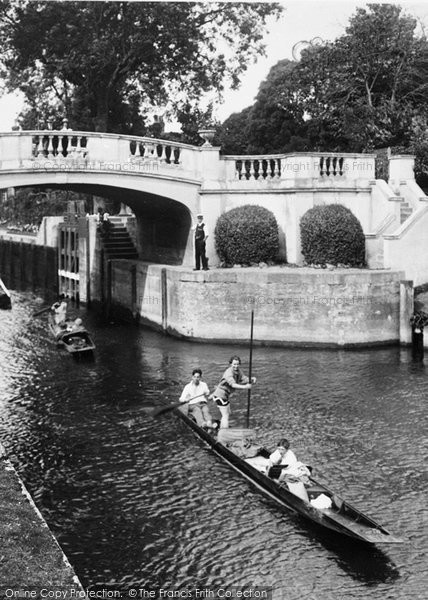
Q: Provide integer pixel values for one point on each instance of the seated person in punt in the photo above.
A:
(283, 464)
(198, 390)
(76, 325)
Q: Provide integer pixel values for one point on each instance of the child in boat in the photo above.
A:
(198, 390)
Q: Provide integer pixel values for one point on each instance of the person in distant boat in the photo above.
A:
(233, 379)
(77, 325)
(197, 407)
(60, 313)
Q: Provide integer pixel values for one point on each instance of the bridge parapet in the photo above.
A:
(81, 150)
(301, 169)
(62, 151)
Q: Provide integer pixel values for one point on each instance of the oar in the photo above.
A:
(250, 369)
(165, 409)
(40, 312)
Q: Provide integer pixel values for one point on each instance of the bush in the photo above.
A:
(332, 234)
(247, 234)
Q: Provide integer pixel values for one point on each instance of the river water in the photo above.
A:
(141, 502)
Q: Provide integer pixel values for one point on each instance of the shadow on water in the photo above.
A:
(363, 562)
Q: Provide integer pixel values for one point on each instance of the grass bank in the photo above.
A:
(30, 557)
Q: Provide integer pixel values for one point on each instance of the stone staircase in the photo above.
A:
(405, 211)
(118, 243)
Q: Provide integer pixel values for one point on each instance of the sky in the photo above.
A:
(303, 20)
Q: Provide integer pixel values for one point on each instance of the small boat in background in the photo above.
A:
(5, 301)
(72, 336)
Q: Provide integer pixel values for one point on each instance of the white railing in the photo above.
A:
(67, 150)
(62, 150)
(299, 166)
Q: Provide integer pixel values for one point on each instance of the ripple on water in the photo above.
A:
(137, 501)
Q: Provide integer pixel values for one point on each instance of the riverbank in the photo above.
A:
(31, 559)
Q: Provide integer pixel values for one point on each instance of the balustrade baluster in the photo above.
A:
(78, 147)
(322, 166)
(334, 161)
(251, 171)
(168, 151)
(327, 165)
(41, 148)
(238, 169)
(263, 172)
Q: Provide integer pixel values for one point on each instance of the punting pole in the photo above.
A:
(250, 369)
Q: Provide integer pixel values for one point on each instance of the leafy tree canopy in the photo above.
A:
(366, 89)
(273, 124)
(101, 62)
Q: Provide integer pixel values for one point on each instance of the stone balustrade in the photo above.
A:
(65, 150)
(299, 166)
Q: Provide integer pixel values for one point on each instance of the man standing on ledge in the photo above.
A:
(201, 235)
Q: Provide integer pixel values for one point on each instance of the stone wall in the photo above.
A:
(292, 306)
(26, 266)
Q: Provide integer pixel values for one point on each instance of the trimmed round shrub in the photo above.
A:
(332, 234)
(247, 234)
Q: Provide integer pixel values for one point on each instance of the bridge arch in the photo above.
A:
(164, 209)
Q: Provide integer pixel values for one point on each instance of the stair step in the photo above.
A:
(119, 250)
(130, 256)
(123, 239)
(116, 249)
(118, 244)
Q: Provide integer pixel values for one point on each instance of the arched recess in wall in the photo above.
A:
(163, 224)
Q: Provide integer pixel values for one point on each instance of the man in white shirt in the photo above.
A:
(198, 407)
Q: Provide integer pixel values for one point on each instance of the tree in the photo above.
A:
(232, 135)
(273, 124)
(104, 61)
(276, 123)
(362, 90)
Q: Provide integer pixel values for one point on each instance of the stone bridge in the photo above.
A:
(166, 184)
